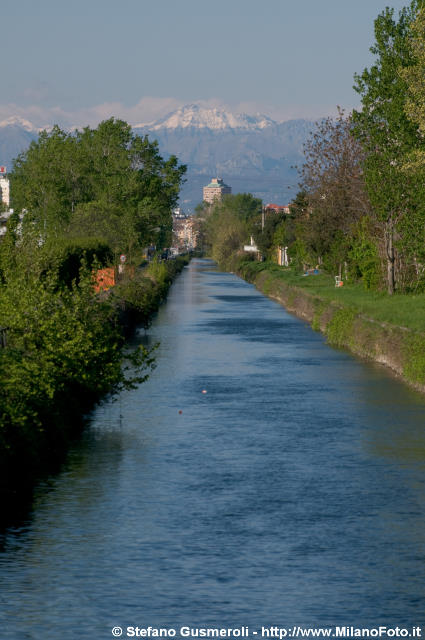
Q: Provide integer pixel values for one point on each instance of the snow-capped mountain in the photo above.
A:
(194, 115)
(16, 134)
(21, 123)
(253, 153)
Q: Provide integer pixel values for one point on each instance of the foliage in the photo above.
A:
(62, 256)
(65, 257)
(414, 369)
(386, 133)
(64, 351)
(332, 182)
(339, 328)
(143, 294)
(413, 76)
(363, 257)
(158, 272)
(228, 225)
(243, 206)
(266, 238)
(319, 308)
(360, 212)
(83, 198)
(104, 182)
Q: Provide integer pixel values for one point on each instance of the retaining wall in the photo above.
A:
(400, 349)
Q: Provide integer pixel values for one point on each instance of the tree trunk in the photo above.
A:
(389, 247)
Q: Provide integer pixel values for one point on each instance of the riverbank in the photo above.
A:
(68, 376)
(387, 330)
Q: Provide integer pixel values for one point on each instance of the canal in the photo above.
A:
(258, 478)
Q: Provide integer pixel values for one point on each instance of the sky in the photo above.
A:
(76, 63)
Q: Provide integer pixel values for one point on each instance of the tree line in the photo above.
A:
(80, 200)
(360, 210)
(105, 182)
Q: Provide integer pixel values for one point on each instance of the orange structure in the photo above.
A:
(104, 279)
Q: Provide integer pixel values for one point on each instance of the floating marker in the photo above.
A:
(180, 411)
(204, 391)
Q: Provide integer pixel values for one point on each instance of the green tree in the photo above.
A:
(412, 226)
(46, 181)
(106, 182)
(363, 256)
(299, 205)
(64, 347)
(244, 206)
(384, 130)
(265, 238)
(228, 225)
(413, 75)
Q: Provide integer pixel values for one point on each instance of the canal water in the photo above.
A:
(292, 492)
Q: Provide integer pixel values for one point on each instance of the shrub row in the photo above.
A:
(65, 351)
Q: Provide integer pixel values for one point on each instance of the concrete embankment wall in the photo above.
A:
(400, 349)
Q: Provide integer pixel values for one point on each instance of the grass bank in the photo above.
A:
(386, 329)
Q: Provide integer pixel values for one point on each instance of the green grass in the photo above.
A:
(403, 310)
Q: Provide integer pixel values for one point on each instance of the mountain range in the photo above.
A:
(15, 136)
(252, 154)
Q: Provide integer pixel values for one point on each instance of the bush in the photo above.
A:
(65, 350)
(65, 256)
(364, 262)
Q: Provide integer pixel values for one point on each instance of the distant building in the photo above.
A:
(4, 200)
(276, 208)
(4, 187)
(178, 213)
(185, 233)
(215, 190)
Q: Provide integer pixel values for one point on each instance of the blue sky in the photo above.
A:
(78, 62)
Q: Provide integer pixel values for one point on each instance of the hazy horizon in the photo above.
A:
(77, 64)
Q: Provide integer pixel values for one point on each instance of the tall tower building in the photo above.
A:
(215, 190)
